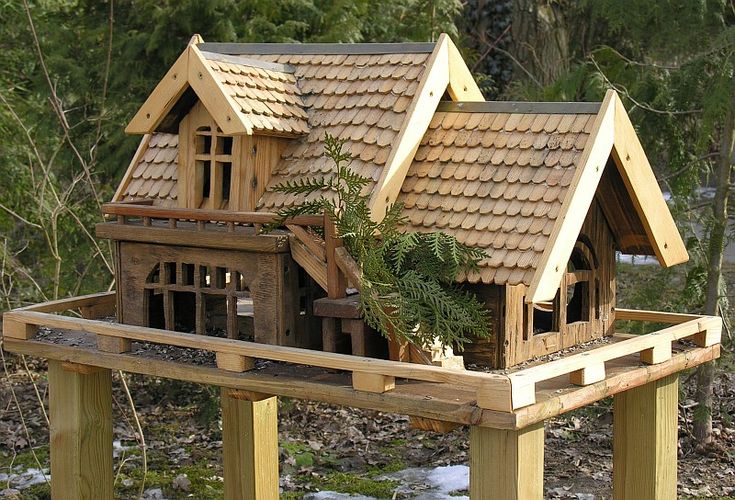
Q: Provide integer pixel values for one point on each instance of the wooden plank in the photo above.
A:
(103, 299)
(346, 307)
(186, 175)
(645, 441)
(643, 188)
(193, 238)
(433, 84)
(309, 240)
(506, 396)
(234, 362)
(127, 177)
(135, 210)
(557, 397)
(13, 329)
(336, 283)
(273, 352)
(116, 345)
(421, 399)
(316, 268)
(656, 354)
(429, 424)
(80, 419)
(372, 382)
(653, 316)
(224, 110)
(250, 447)
(347, 265)
(575, 207)
(611, 351)
(462, 85)
(588, 375)
(507, 464)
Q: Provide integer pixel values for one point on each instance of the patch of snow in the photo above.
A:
(23, 480)
(331, 495)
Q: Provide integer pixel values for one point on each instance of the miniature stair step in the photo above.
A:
(312, 264)
(346, 307)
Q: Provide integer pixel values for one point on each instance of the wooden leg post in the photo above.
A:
(250, 445)
(645, 441)
(507, 464)
(80, 404)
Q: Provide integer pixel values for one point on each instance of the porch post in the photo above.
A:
(507, 464)
(645, 441)
(80, 414)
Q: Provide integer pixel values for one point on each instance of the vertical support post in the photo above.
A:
(507, 464)
(80, 404)
(336, 282)
(645, 441)
(250, 445)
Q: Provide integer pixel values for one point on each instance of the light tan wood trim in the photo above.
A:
(162, 99)
(347, 265)
(234, 362)
(313, 244)
(645, 441)
(60, 305)
(574, 209)
(186, 178)
(215, 98)
(653, 316)
(128, 176)
(372, 382)
(433, 84)
(645, 192)
(462, 86)
(507, 464)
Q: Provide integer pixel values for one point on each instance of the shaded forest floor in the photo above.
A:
(324, 447)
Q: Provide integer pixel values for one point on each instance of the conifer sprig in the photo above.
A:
(408, 279)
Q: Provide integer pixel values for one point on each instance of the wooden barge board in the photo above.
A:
(436, 401)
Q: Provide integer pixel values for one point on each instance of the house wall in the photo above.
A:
(530, 330)
(180, 293)
(486, 352)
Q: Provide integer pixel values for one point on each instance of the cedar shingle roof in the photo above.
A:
(155, 175)
(268, 95)
(495, 181)
(362, 98)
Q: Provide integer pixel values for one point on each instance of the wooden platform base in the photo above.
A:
(506, 411)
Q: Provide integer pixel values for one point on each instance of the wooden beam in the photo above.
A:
(653, 316)
(507, 464)
(273, 243)
(645, 441)
(13, 329)
(80, 417)
(162, 99)
(224, 110)
(462, 86)
(576, 205)
(239, 217)
(250, 447)
(433, 84)
(373, 382)
(336, 283)
(348, 266)
(102, 299)
(313, 244)
(644, 191)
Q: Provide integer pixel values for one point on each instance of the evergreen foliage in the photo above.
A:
(408, 279)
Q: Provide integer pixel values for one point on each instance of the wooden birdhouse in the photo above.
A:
(551, 191)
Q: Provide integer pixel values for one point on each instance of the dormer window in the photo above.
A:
(219, 171)
(213, 167)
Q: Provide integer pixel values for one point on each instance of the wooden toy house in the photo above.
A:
(550, 190)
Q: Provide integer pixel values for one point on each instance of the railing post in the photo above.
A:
(336, 283)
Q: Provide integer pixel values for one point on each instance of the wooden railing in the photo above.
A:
(323, 258)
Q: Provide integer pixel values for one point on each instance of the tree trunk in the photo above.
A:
(706, 372)
(540, 41)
